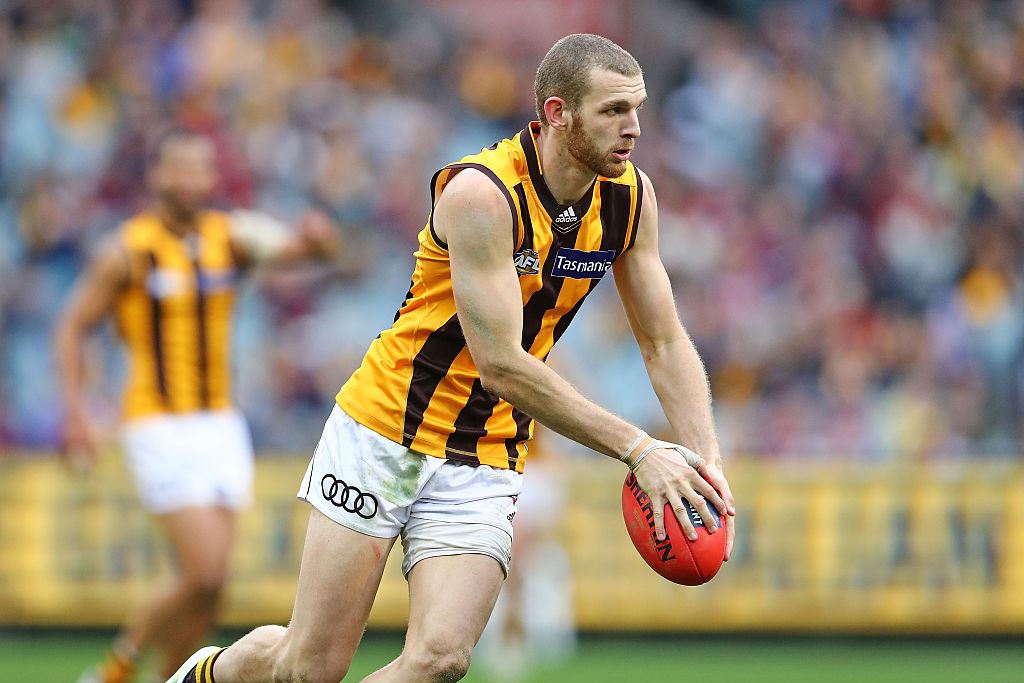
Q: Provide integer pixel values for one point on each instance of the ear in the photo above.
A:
(557, 114)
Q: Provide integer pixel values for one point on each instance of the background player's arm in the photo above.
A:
(676, 370)
(260, 239)
(473, 218)
(92, 299)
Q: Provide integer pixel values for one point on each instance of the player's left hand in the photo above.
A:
(77, 443)
(319, 234)
(712, 472)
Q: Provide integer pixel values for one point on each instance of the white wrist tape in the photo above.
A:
(263, 236)
(692, 459)
(625, 457)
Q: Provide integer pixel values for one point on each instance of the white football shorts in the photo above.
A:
(380, 488)
(190, 459)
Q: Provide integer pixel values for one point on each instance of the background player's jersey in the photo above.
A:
(175, 316)
(417, 384)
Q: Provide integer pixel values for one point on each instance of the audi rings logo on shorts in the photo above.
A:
(348, 498)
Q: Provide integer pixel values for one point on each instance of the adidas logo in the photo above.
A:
(567, 216)
(566, 221)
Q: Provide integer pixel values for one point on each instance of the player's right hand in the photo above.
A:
(319, 234)
(77, 446)
(713, 473)
(668, 478)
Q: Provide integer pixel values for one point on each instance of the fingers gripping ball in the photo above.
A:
(676, 558)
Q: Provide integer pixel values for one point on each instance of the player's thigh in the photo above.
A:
(338, 579)
(201, 538)
(451, 597)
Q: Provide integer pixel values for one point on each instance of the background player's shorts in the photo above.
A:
(380, 488)
(190, 459)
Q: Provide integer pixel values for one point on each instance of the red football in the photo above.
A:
(676, 558)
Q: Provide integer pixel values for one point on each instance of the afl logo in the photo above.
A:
(348, 498)
(164, 282)
(527, 262)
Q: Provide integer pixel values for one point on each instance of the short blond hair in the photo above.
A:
(565, 70)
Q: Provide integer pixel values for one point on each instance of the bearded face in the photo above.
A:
(605, 125)
(585, 149)
(185, 176)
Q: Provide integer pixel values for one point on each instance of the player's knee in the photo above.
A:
(308, 672)
(204, 587)
(293, 664)
(441, 661)
(450, 666)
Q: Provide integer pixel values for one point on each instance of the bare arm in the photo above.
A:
(260, 239)
(473, 218)
(676, 370)
(91, 301)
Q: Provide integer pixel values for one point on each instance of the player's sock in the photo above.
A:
(118, 666)
(202, 672)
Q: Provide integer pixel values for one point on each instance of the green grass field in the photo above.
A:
(47, 657)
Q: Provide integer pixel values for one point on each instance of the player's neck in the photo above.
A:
(567, 179)
(175, 222)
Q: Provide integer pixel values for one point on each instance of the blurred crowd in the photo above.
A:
(840, 190)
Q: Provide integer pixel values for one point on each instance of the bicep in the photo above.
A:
(644, 285)
(476, 222)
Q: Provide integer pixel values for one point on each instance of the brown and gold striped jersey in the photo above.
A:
(417, 384)
(175, 315)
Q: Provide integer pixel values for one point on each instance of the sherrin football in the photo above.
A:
(676, 558)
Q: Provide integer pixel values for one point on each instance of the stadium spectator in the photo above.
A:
(841, 195)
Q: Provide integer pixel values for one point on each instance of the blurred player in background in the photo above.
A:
(429, 437)
(168, 276)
